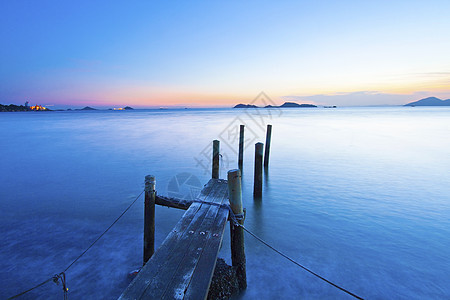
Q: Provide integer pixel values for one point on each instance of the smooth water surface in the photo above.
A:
(358, 195)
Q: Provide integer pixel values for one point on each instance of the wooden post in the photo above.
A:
(236, 232)
(241, 147)
(257, 183)
(267, 151)
(149, 217)
(215, 159)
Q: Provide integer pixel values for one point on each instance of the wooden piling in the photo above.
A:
(236, 232)
(215, 159)
(267, 151)
(241, 147)
(149, 217)
(257, 182)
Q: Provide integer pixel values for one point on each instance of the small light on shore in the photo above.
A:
(38, 107)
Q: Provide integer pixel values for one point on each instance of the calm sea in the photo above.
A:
(358, 195)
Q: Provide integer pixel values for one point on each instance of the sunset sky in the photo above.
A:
(219, 53)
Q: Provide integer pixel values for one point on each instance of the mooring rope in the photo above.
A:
(29, 290)
(104, 232)
(234, 218)
(236, 223)
(62, 276)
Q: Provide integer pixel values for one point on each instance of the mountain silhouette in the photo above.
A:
(430, 101)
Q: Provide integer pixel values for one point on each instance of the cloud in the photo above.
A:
(360, 98)
(435, 74)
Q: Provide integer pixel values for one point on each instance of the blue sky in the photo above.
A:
(192, 53)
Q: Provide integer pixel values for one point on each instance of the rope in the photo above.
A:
(62, 276)
(29, 290)
(236, 223)
(104, 232)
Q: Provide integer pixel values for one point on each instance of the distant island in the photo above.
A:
(122, 108)
(15, 108)
(284, 105)
(430, 101)
(12, 107)
(87, 108)
(293, 104)
(245, 106)
(26, 107)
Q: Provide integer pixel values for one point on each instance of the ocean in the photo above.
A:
(359, 195)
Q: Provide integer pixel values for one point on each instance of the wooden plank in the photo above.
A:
(187, 244)
(180, 281)
(139, 284)
(156, 287)
(173, 202)
(202, 275)
(186, 253)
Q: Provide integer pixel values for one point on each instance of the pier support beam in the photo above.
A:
(215, 159)
(257, 181)
(236, 232)
(241, 147)
(149, 217)
(267, 151)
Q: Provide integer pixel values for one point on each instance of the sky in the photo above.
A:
(220, 53)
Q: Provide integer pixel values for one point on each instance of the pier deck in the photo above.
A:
(183, 266)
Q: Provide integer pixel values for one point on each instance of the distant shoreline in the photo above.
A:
(26, 108)
(284, 105)
(17, 108)
(435, 102)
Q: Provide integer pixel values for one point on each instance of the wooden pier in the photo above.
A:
(183, 266)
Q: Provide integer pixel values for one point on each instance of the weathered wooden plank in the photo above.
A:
(182, 277)
(173, 202)
(185, 203)
(156, 287)
(139, 284)
(202, 275)
(187, 244)
(184, 250)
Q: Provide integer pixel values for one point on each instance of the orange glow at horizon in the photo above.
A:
(141, 95)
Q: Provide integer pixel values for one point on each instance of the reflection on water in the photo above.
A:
(359, 195)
